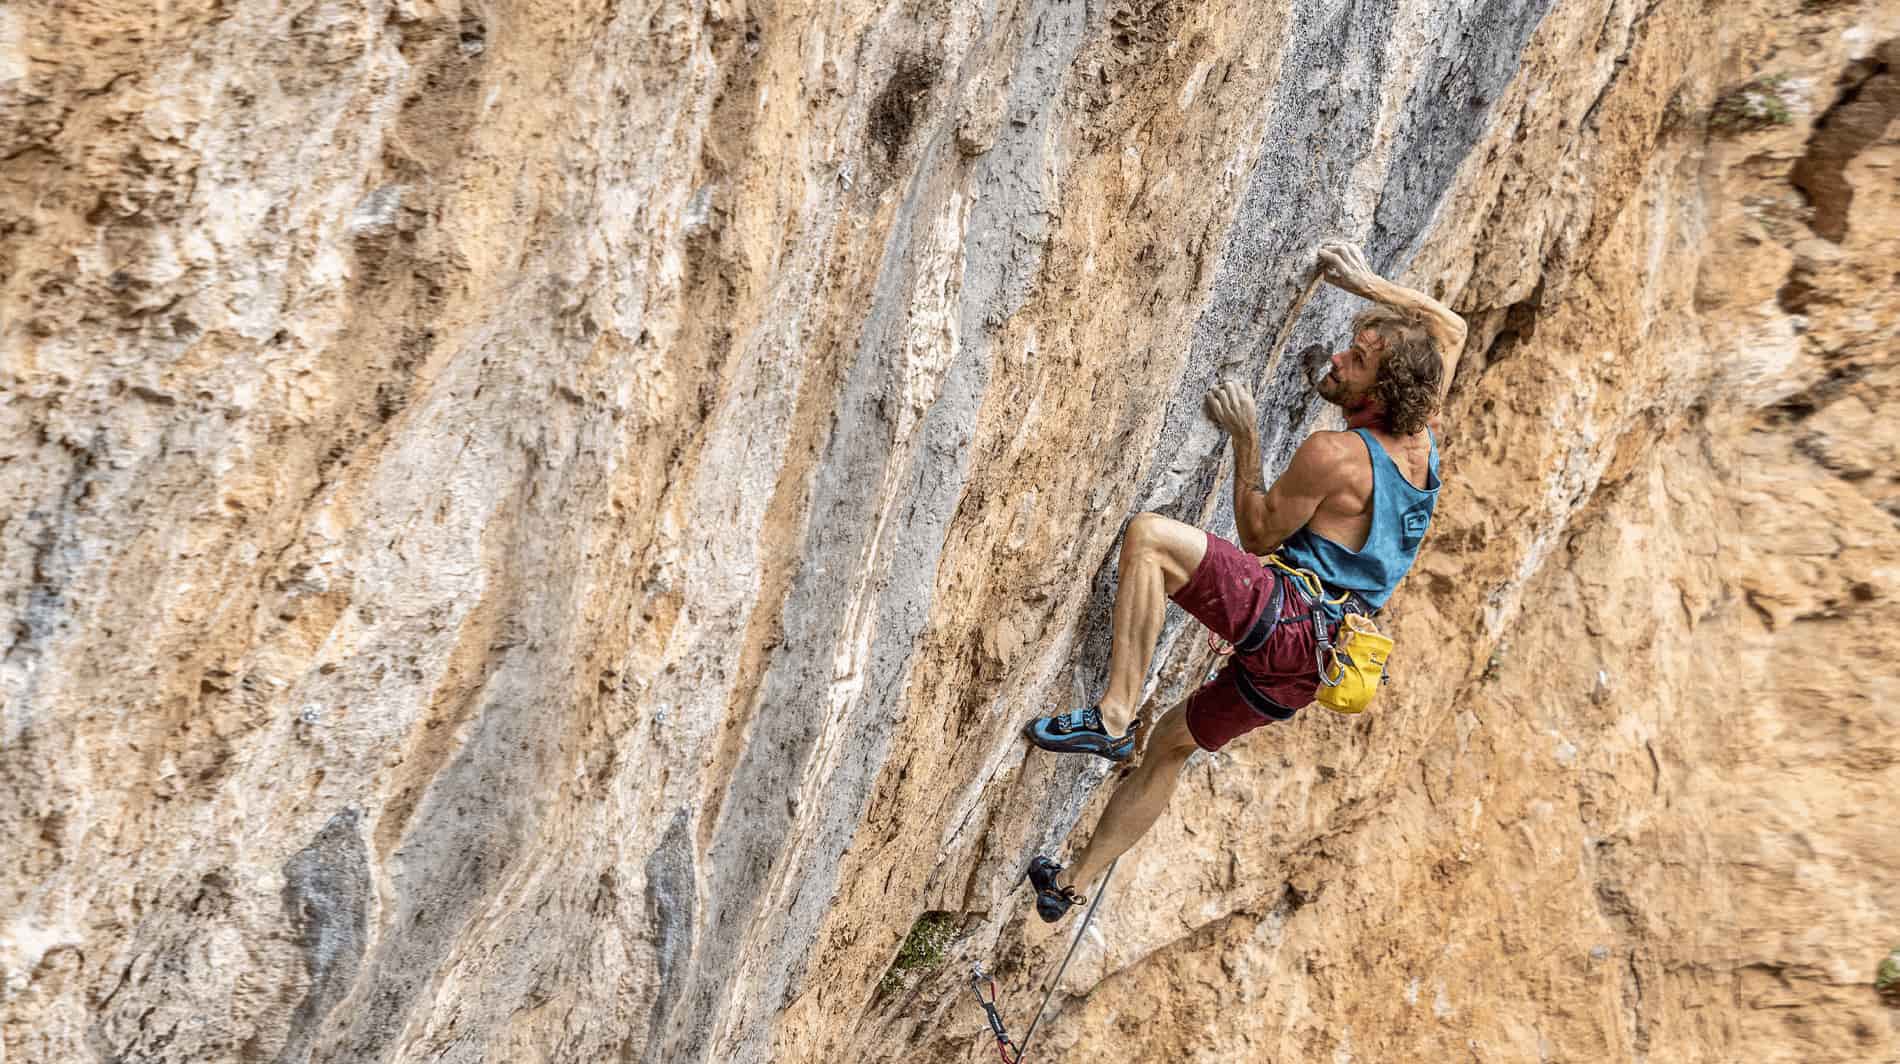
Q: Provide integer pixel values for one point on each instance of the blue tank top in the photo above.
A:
(1400, 515)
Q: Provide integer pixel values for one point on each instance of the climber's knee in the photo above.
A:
(1175, 546)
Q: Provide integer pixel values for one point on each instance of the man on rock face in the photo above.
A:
(1351, 508)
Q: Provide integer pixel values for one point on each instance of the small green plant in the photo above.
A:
(1887, 978)
(1757, 104)
(923, 949)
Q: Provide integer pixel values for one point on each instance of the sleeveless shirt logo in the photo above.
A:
(1415, 522)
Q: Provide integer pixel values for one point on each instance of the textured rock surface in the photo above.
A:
(527, 531)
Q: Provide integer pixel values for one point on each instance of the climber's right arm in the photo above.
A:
(1264, 516)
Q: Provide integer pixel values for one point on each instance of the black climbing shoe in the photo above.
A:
(1052, 902)
(1080, 731)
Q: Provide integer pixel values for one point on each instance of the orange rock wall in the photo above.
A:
(527, 531)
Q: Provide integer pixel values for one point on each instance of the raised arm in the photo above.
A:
(1344, 266)
(1265, 516)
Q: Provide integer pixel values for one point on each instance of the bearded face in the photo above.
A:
(1351, 374)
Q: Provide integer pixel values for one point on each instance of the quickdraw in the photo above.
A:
(1005, 1048)
(1009, 1051)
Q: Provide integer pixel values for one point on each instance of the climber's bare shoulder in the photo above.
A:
(1338, 465)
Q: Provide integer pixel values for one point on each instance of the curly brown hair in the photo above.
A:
(1411, 370)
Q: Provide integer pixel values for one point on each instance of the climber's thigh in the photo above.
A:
(1227, 590)
(1221, 712)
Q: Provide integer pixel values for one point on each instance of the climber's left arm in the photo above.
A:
(1344, 266)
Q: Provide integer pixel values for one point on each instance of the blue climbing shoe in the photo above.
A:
(1080, 731)
(1052, 902)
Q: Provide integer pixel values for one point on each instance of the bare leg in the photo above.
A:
(1139, 799)
(1158, 556)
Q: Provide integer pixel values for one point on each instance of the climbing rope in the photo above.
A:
(1005, 1048)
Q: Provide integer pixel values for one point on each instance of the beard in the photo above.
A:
(1334, 391)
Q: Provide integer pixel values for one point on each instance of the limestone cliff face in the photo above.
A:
(527, 531)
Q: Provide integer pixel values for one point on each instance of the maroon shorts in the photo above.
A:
(1228, 592)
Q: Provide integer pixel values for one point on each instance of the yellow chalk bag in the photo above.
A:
(1351, 670)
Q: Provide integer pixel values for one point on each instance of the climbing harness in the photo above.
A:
(1009, 1051)
(1351, 664)
(1257, 636)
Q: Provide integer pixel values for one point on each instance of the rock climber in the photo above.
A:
(1351, 508)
